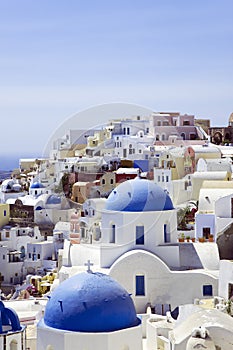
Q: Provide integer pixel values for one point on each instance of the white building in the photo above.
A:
(215, 208)
(40, 257)
(12, 333)
(138, 247)
(10, 188)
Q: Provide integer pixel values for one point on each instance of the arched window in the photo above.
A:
(14, 345)
(163, 137)
(182, 135)
(50, 347)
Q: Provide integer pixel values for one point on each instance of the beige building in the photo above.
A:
(4, 214)
(107, 182)
(81, 191)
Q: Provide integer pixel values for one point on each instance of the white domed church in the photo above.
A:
(138, 247)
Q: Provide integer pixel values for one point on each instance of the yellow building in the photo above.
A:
(4, 214)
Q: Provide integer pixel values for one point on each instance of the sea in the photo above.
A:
(10, 162)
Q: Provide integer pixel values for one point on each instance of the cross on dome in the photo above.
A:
(89, 264)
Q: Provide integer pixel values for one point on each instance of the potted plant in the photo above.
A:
(193, 239)
(211, 237)
(187, 238)
(181, 237)
(201, 239)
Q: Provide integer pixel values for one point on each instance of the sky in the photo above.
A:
(58, 58)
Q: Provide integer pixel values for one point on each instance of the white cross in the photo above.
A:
(88, 264)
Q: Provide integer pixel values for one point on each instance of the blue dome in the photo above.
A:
(8, 318)
(37, 185)
(53, 199)
(90, 302)
(138, 195)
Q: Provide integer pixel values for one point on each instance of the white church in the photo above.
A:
(138, 247)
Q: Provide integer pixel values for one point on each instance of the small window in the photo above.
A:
(4, 257)
(208, 290)
(140, 285)
(103, 181)
(140, 234)
(4, 213)
(167, 179)
(29, 255)
(7, 234)
(158, 178)
(111, 181)
(38, 256)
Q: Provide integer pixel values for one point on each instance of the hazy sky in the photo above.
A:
(59, 57)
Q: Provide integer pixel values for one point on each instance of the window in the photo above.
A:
(4, 257)
(140, 285)
(13, 345)
(4, 213)
(206, 232)
(29, 255)
(111, 181)
(208, 290)
(38, 256)
(167, 179)
(103, 181)
(159, 178)
(7, 234)
(113, 234)
(166, 234)
(140, 234)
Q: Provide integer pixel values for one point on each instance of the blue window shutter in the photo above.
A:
(140, 285)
